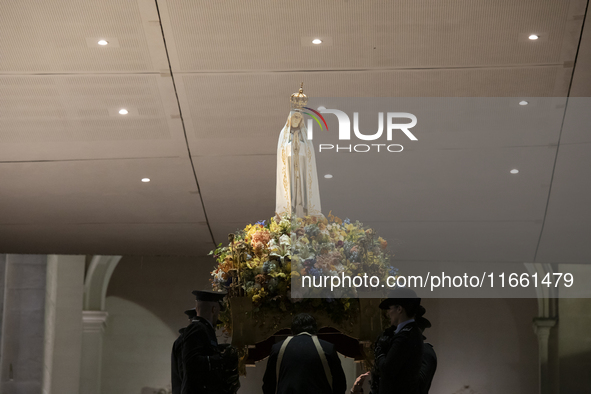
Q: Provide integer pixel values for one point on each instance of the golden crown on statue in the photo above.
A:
(299, 100)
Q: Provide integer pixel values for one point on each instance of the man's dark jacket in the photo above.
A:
(301, 369)
(193, 351)
(399, 368)
(428, 367)
(175, 375)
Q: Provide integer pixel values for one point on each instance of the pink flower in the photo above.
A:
(263, 236)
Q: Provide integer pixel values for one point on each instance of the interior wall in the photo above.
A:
(161, 285)
(574, 345)
(145, 300)
(136, 350)
(486, 344)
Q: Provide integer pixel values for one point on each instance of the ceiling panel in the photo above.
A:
(443, 185)
(368, 34)
(460, 241)
(567, 228)
(58, 117)
(576, 121)
(581, 80)
(81, 108)
(99, 192)
(237, 188)
(54, 36)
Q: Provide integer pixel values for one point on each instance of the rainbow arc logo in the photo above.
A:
(316, 118)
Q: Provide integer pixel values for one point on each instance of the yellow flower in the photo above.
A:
(252, 264)
(274, 227)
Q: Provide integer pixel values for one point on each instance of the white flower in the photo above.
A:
(339, 268)
(285, 225)
(218, 275)
(285, 240)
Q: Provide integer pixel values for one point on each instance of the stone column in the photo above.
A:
(63, 323)
(23, 324)
(94, 323)
(542, 328)
(2, 281)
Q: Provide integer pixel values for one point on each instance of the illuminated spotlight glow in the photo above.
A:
(523, 102)
(123, 111)
(145, 179)
(103, 42)
(533, 37)
(316, 41)
(514, 171)
(328, 176)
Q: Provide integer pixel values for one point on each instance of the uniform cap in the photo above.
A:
(191, 313)
(422, 322)
(400, 296)
(206, 295)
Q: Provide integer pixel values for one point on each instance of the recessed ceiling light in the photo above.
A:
(317, 41)
(514, 171)
(523, 102)
(533, 37)
(123, 111)
(328, 176)
(103, 42)
(145, 179)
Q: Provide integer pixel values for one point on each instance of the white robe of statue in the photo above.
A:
(297, 179)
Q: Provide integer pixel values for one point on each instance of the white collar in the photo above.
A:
(401, 325)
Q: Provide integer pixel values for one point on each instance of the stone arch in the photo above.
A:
(547, 306)
(94, 319)
(96, 282)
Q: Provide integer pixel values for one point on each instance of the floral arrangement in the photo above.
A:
(264, 258)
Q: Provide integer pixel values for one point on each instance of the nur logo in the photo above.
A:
(345, 129)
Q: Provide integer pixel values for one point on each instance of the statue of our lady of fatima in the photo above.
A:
(297, 180)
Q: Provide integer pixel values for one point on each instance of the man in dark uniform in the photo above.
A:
(203, 367)
(304, 363)
(176, 376)
(399, 349)
(429, 359)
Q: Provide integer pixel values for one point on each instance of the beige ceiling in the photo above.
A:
(207, 87)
